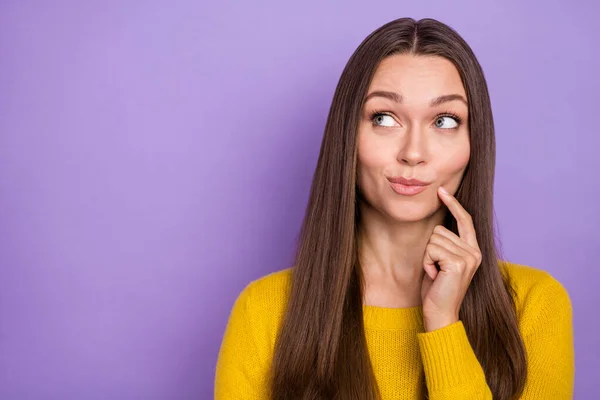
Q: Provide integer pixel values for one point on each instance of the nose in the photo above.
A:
(413, 147)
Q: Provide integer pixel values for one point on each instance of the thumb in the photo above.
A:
(427, 282)
(429, 265)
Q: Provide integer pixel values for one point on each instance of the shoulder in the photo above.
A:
(269, 293)
(529, 283)
(538, 295)
(262, 304)
(249, 340)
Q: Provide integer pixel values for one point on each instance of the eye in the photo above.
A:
(447, 122)
(380, 119)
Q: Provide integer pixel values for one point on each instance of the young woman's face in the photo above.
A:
(413, 126)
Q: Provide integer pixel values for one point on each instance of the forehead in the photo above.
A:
(417, 78)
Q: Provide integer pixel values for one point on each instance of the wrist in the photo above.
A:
(432, 324)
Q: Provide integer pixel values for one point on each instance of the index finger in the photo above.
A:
(466, 230)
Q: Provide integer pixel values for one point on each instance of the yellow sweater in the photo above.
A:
(403, 355)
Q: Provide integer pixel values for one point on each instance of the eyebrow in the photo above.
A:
(433, 103)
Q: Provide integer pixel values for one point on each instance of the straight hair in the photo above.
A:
(321, 350)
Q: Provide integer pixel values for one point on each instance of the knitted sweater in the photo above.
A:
(405, 357)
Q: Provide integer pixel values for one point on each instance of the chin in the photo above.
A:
(411, 212)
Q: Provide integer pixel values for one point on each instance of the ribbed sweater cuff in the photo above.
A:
(448, 358)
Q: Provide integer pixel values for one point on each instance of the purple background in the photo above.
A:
(156, 156)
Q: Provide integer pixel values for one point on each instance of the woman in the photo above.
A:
(397, 291)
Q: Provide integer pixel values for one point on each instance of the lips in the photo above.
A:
(407, 182)
(407, 187)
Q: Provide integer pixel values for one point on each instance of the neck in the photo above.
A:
(391, 256)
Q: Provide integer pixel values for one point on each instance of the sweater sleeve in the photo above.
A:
(452, 370)
(547, 330)
(241, 370)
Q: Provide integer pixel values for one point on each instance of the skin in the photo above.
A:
(401, 237)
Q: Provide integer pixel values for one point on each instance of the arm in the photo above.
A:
(452, 370)
(241, 370)
(547, 330)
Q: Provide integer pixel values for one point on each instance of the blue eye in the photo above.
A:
(447, 122)
(380, 119)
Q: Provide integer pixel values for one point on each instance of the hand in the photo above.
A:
(459, 257)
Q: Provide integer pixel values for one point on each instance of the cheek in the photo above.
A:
(369, 160)
(373, 154)
(453, 166)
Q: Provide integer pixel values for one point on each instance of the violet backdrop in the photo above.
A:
(156, 156)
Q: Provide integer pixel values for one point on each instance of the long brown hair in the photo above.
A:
(321, 351)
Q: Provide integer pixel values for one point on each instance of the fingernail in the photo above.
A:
(444, 190)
